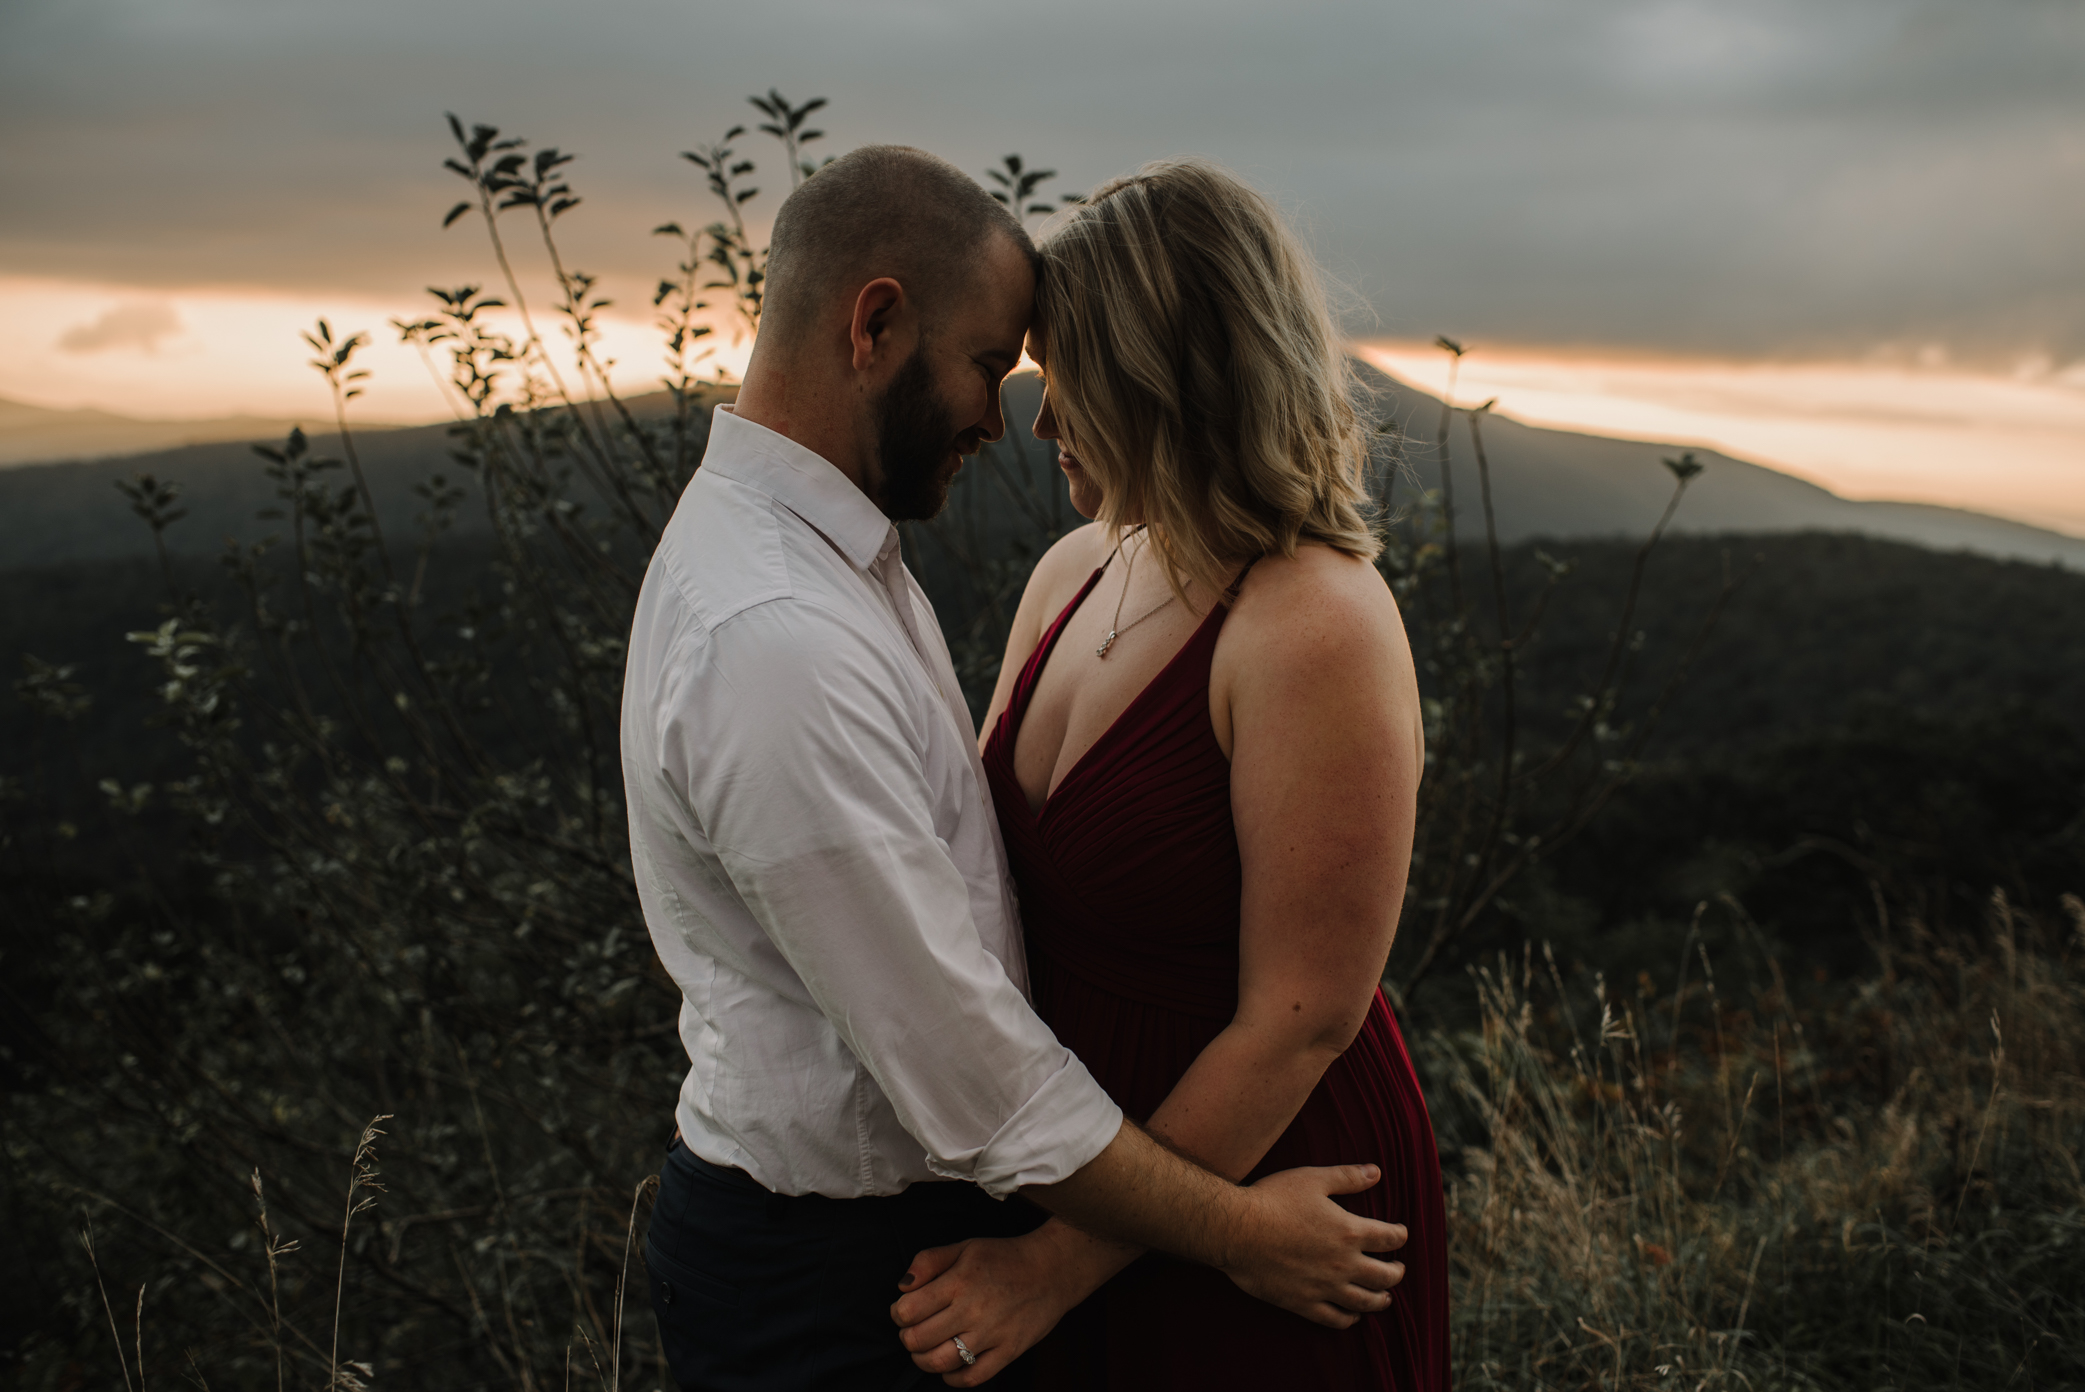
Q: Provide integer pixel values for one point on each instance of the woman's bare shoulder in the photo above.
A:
(1318, 593)
(1069, 561)
(1314, 644)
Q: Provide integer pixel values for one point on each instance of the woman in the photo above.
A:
(1205, 749)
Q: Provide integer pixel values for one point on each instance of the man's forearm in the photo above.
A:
(1137, 1191)
(1230, 1107)
(1285, 1239)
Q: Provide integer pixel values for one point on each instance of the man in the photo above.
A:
(820, 866)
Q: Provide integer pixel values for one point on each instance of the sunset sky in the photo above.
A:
(1844, 239)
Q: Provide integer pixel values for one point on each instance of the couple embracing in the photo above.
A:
(1059, 1061)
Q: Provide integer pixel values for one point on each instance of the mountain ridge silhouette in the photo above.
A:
(1545, 483)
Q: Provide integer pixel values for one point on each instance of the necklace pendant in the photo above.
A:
(1102, 650)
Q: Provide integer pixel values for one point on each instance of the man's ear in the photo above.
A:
(879, 307)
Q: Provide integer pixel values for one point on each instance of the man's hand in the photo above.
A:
(1001, 1295)
(1283, 1240)
(1305, 1253)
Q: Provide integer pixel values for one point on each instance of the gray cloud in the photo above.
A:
(139, 324)
(1749, 176)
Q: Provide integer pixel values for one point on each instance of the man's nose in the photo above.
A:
(992, 428)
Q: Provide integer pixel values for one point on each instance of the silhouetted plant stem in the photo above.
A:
(1441, 454)
(361, 1175)
(1597, 709)
(1502, 800)
(501, 179)
(230, 1280)
(87, 1241)
(575, 288)
(333, 363)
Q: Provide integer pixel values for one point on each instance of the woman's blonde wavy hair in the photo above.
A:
(1194, 369)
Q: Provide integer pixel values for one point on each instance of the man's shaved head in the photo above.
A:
(882, 210)
(898, 292)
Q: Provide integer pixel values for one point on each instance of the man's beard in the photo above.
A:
(913, 441)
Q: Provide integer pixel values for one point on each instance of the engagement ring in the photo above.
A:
(963, 1351)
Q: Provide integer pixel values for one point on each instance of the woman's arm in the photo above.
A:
(1315, 699)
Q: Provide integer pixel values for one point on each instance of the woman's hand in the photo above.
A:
(999, 1295)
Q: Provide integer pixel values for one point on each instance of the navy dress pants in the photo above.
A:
(781, 1293)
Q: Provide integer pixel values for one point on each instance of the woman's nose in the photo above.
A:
(1045, 427)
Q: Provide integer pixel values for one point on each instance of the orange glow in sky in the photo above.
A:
(2009, 445)
(2013, 446)
(202, 353)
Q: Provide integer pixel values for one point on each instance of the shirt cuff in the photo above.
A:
(1055, 1133)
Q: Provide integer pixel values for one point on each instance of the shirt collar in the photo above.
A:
(805, 482)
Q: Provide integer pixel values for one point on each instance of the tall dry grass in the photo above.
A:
(250, 1314)
(1739, 1183)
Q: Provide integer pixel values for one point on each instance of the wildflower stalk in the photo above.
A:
(362, 1176)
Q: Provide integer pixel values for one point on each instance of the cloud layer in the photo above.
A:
(139, 324)
(1772, 176)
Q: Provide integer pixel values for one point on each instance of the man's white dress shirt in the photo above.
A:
(817, 855)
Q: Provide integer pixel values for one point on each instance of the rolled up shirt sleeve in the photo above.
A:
(819, 803)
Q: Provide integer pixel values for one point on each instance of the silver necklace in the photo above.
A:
(1116, 628)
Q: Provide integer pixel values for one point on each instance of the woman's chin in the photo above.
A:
(1085, 498)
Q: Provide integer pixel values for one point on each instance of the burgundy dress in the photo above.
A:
(1129, 888)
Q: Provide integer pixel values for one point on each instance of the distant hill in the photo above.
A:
(1546, 483)
(1556, 483)
(39, 435)
(67, 512)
